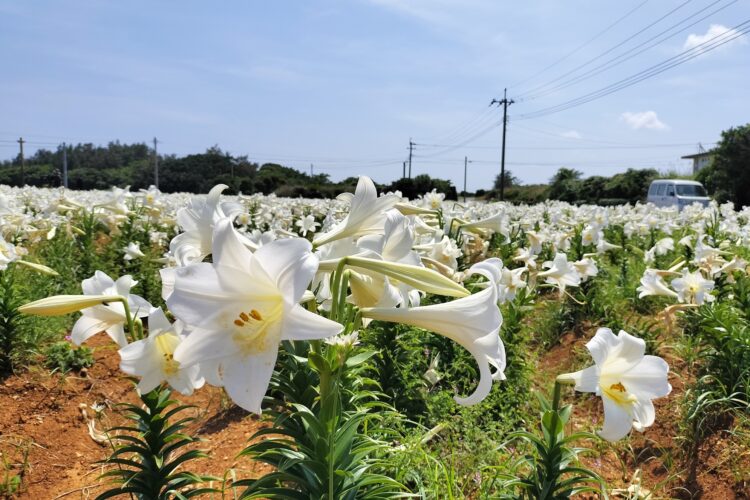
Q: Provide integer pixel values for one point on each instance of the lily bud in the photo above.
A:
(38, 267)
(57, 305)
(421, 278)
(409, 209)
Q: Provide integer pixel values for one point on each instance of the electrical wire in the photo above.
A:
(683, 57)
(582, 46)
(602, 54)
(631, 53)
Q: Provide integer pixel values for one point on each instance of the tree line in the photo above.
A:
(726, 178)
(116, 164)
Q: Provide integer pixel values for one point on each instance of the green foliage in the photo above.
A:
(10, 319)
(565, 185)
(151, 450)
(630, 186)
(421, 184)
(14, 464)
(324, 445)
(529, 194)
(510, 180)
(420, 372)
(101, 167)
(551, 468)
(63, 357)
(727, 176)
(725, 332)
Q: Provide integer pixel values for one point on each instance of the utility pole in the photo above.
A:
(466, 162)
(156, 165)
(23, 162)
(403, 171)
(311, 170)
(505, 102)
(65, 165)
(411, 148)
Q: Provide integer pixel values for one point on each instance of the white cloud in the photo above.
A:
(715, 30)
(571, 134)
(643, 119)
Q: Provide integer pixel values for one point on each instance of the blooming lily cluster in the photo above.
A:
(242, 276)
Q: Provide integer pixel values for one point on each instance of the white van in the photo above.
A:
(668, 192)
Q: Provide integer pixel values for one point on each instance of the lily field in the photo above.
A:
(160, 346)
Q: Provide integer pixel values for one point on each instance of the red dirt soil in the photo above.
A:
(41, 416)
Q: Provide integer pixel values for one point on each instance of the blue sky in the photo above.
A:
(344, 84)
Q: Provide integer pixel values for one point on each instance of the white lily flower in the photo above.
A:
(510, 283)
(605, 246)
(152, 358)
(736, 264)
(473, 322)
(7, 254)
(693, 288)
(535, 242)
(245, 304)
(443, 250)
(586, 268)
(197, 219)
(307, 224)
(649, 257)
(109, 317)
(686, 241)
(497, 223)
(591, 236)
(394, 245)
(365, 213)
(433, 199)
(625, 378)
(663, 246)
(561, 273)
(653, 284)
(133, 251)
(526, 256)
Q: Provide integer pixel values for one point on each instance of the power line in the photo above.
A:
(463, 128)
(471, 139)
(631, 53)
(577, 148)
(665, 65)
(592, 163)
(582, 46)
(608, 50)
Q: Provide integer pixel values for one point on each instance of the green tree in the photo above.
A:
(510, 180)
(565, 185)
(630, 186)
(728, 175)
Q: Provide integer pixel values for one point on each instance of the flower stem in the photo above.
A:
(336, 279)
(129, 316)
